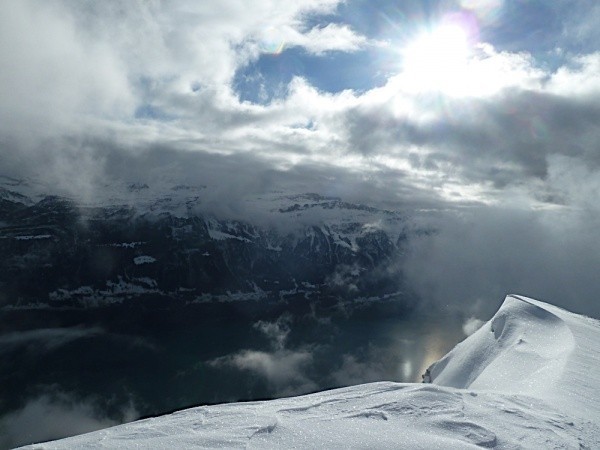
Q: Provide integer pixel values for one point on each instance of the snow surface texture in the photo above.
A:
(529, 378)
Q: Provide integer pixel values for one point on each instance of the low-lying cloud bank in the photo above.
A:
(474, 257)
(54, 416)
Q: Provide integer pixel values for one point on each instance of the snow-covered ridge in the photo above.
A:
(529, 378)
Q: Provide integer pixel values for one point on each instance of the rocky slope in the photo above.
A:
(59, 252)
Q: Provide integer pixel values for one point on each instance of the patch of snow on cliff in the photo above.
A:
(144, 259)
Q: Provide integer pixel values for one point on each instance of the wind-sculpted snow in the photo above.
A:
(530, 348)
(523, 349)
(527, 379)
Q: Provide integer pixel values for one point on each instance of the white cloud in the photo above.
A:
(277, 331)
(317, 40)
(580, 78)
(577, 184)
(65, 61)
(332, 37)
(52, 73)
(90, 66)
(283, 369)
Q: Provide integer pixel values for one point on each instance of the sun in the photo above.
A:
(438, 59)
(446, 45)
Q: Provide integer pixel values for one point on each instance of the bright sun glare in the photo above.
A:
(438, 60)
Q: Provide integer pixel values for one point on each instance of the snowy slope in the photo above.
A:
(530, 348)
(527, 379)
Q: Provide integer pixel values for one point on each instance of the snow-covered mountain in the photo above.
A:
(173, 242)
(134, 299)
(528, 378)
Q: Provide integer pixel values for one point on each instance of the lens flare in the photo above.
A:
(487, 11)
(272, 41)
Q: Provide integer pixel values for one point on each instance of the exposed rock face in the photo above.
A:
(58, 253)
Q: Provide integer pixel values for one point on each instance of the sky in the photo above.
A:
(481, 118)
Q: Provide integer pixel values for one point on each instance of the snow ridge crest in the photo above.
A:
(523, 349)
